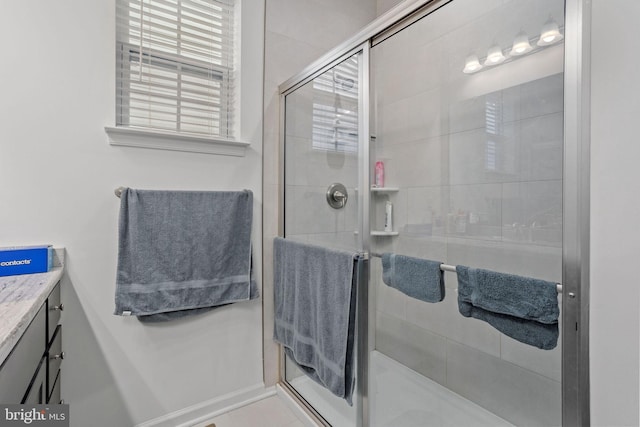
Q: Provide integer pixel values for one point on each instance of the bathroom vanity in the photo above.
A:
(31, 336)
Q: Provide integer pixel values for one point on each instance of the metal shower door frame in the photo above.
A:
(576, 190)
(363, 197)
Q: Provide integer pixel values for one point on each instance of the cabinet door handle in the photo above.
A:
(57, 356)
(58, 307)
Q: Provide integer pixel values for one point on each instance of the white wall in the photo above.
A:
(384, 5)
(615, 209)
(59, 172)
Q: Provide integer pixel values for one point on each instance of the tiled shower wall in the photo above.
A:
(310, 170)
(478, 162)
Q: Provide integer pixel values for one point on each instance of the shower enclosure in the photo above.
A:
(473, 109)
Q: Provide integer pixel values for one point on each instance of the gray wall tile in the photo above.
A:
(520, 396)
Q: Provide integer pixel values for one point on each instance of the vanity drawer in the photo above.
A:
(55, 356)
(54, 396)
(19, 367)
(54, 310)
(35, 394)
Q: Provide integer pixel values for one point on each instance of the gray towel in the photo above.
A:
(315, 292)
(163, 317)
(541, 335)
(523, 308)
(418, 278)
(183, 252)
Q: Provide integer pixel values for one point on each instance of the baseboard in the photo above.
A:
(206, 410)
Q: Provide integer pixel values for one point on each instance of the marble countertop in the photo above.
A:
(20, 299)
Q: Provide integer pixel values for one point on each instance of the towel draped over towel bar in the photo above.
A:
(183, 252)
(452, 268)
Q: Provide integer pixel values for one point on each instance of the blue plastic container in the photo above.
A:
(25, 260)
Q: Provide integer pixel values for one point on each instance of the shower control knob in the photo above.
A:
(337, 195)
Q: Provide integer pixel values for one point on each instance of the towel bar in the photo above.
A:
(118, 191)
(452, 268)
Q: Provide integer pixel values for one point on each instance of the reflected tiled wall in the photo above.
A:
(310, 170)
(478, 161)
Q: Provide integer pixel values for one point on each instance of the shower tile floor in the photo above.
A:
(404, 398)
(269, 412)
(401, 398)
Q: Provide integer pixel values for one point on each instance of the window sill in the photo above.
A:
(133, 137)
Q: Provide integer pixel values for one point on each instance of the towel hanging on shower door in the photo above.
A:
(315, 290)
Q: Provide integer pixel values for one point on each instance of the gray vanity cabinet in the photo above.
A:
(55, 354)
(23, 363)
(31, 372)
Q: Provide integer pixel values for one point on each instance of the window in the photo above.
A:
(335, 108)
(500, 155)
(175, 66)
(493, 127)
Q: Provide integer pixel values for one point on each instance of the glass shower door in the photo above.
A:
(321, 149)
(469, 126)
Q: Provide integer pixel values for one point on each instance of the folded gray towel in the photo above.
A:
(541, 335)
(523, 308)
(181, 252)
(418, 278)
(171, 315)
(314, 290)
(518, 296)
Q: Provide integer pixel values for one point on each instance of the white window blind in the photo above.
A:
(175, 66)
(335, 108)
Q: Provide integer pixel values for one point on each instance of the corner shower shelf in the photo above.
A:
(378, 233)
(384, 189)
(383, 233)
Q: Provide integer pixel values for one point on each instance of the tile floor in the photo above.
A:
(400, 398)
(269, 412)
